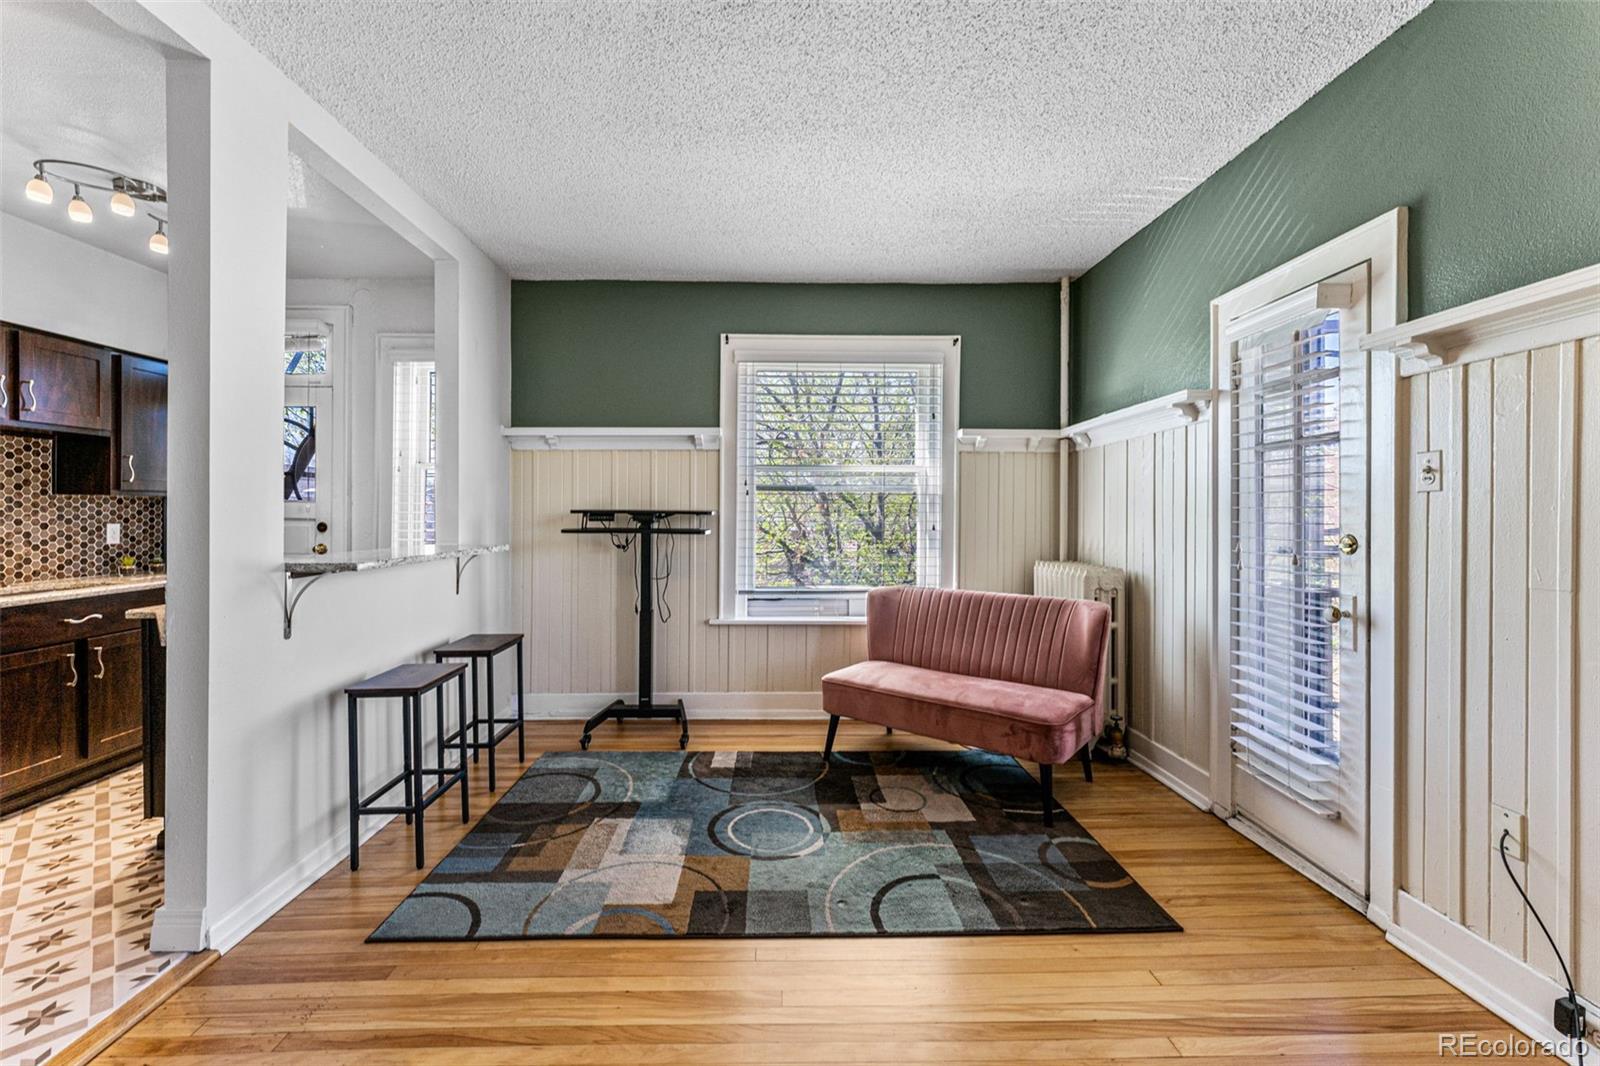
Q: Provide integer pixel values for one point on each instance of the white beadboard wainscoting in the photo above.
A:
(1499, 672)
(1498, 579)
(575, 595)
(1142, 501)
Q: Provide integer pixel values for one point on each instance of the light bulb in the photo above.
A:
(78, 208)
(39, 190)
(158, 239)
(122, 204)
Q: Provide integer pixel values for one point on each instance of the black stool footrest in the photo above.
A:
(410, 683)
(469, 650)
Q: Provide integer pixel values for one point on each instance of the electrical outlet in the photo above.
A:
(113, 532)
(1505, 819)
(1427, 474)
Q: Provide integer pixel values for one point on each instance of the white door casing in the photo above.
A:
(1380, 244)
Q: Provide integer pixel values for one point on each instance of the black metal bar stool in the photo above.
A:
(486, 646)
(410, 683)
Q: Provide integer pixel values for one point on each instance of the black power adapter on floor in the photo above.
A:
(1569, 1018)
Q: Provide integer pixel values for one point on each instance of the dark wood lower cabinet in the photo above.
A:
(72, 694)
(115, 666)
(40, 692)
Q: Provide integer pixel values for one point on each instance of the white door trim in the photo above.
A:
(1382, 243)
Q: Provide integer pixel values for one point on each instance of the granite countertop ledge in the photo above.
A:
(71, 588)
(382, 558)
(157, 612)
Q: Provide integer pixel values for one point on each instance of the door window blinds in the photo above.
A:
(839, 479)
(1284, 643)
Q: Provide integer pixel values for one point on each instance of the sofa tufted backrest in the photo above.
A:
(1032, 640)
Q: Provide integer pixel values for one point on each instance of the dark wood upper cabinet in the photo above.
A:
(115, 668)
(8, 375)
(39, 691)
(62, 384)
(141, 425)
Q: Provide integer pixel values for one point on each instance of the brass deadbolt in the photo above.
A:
(1349, 544)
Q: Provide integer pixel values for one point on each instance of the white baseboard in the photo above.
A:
(174, 929)
(1503, 983)
(1171, 769)
(721, 705)
(242, 920)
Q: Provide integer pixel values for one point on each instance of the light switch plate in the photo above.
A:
(1507, 819)
(113, 532)
(1427, 473)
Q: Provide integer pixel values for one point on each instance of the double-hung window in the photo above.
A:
(838, 471)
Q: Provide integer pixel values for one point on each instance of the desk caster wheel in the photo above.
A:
(583, 742)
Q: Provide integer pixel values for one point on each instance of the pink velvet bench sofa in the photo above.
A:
(1019, 675)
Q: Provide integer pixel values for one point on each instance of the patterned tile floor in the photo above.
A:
(81, 884)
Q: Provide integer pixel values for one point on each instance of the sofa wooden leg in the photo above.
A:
(1047, 793)
(833, 727)
(888, 730)
(1087, 755)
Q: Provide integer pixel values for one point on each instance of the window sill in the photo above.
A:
(855, 620)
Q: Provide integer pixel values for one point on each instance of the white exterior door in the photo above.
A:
(1297, 672)
(308, 512)
(313, 481)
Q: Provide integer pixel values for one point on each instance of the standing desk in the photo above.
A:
(638, 528)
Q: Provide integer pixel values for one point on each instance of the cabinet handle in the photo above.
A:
(72, 661)
(5, 397)
(132, 477)
(100, 658)
(33, 399)
(80, 621)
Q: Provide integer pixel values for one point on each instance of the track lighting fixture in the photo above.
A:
(124, 190)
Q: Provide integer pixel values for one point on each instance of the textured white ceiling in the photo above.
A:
(75, 85)
(809, 140)
(332, 236)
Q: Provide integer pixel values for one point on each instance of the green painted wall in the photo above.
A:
(1482, 118)
(641, 353)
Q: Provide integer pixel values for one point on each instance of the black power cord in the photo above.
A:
(1569, 1015)
(663, 578)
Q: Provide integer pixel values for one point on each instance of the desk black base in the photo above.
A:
(618, 710)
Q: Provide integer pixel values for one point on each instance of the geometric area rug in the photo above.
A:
(772, 844)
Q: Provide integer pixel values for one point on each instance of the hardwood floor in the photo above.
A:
(1269, 968)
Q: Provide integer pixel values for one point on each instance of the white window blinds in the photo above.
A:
(414, 455)
(839, 480)
(1284, 643)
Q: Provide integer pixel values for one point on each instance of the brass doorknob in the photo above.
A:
(321, 549)
(1348, 544)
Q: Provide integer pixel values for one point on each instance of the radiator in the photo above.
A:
(1085, 581)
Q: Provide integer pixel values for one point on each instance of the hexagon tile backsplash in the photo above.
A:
(44, 536)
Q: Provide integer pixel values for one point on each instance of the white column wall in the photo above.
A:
(257, 787)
